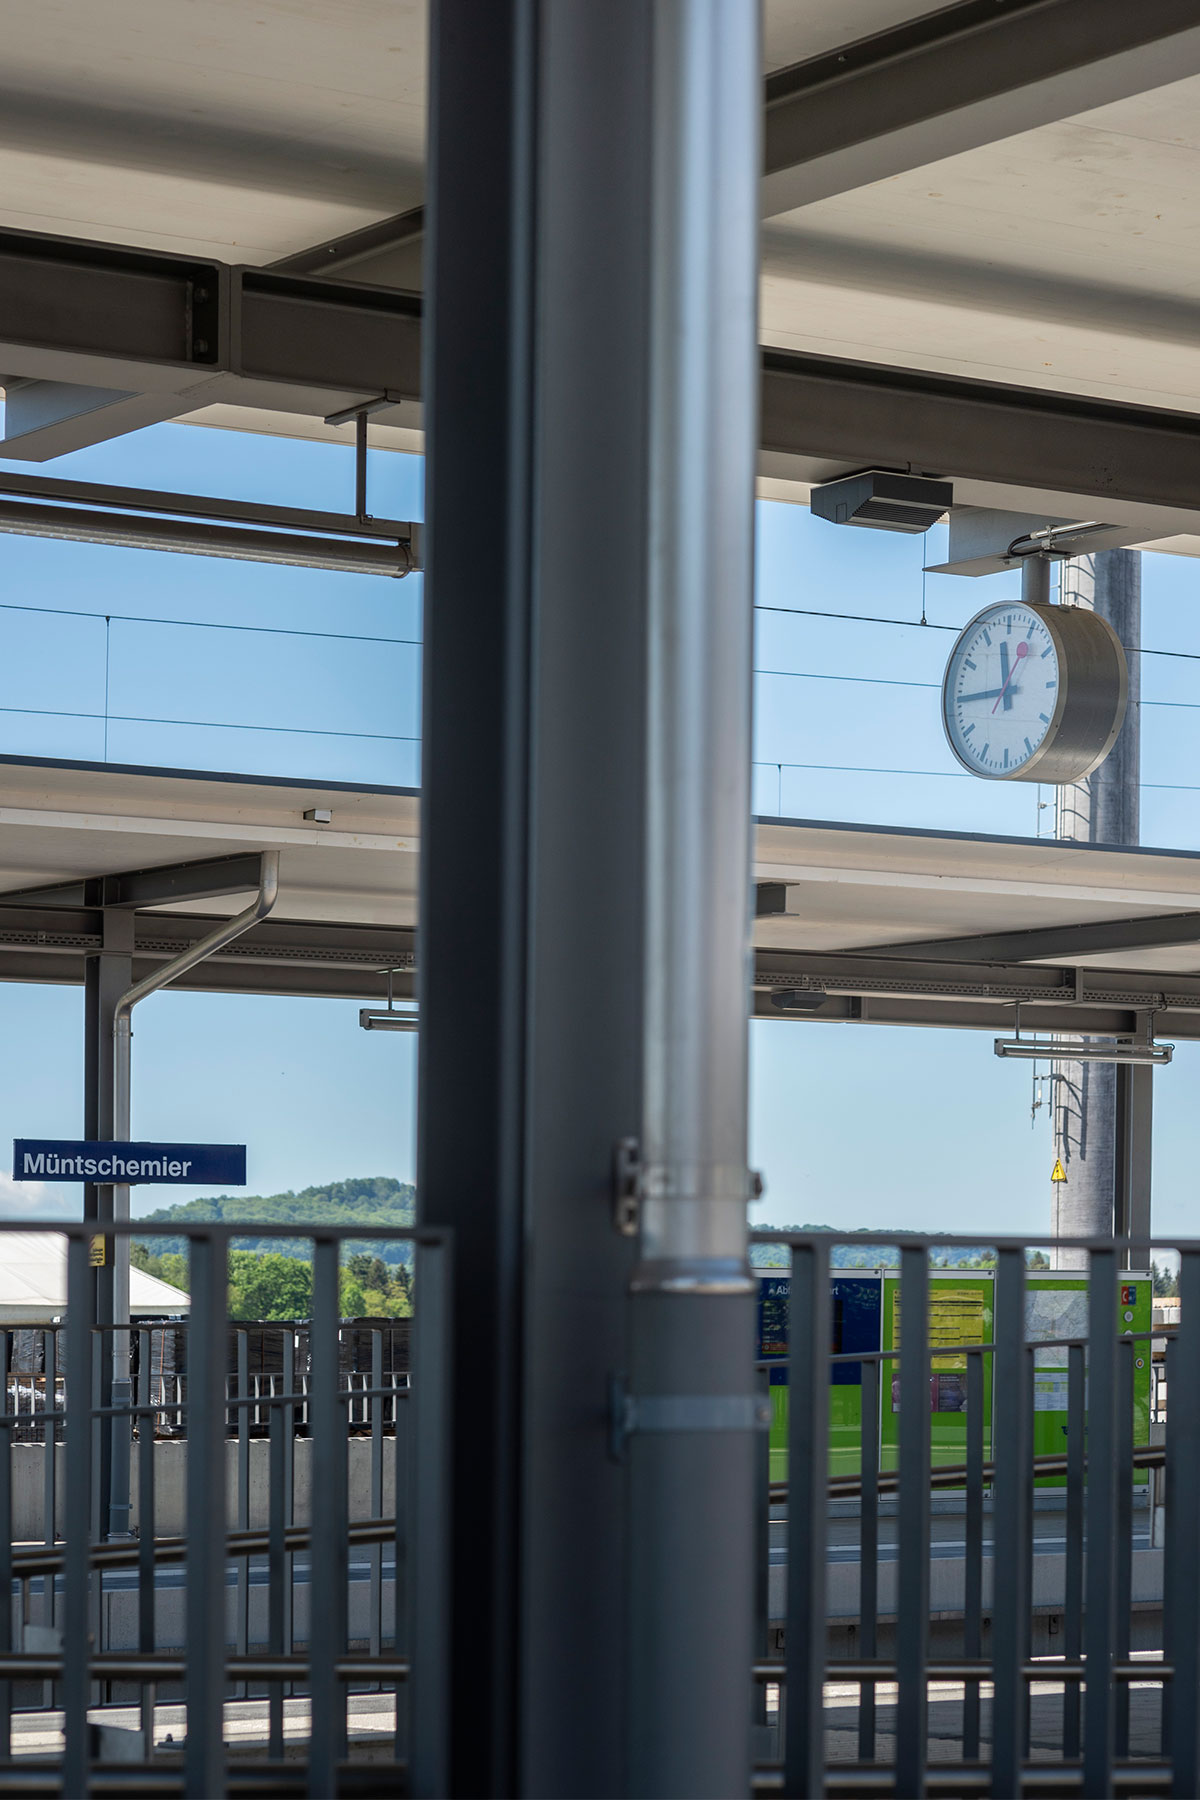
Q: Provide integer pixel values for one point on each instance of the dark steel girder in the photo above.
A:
(867, 415)
(103, 338)
(1090, 1020)
(206, 879)
(49, 943)
(1062, 942)
(297, 343)
(964, 75)
(882, 988)
(366, 253)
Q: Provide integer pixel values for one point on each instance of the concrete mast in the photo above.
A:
(1101, 809)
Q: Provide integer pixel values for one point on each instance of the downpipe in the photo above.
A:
(693, 1412)
(119, 1506)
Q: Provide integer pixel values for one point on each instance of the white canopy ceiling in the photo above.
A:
(849, 887)
(1066, 256)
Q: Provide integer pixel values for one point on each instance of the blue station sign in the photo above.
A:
(89, 1159)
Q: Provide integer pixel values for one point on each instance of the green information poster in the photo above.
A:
(866, 1314)
(960, 1315)
(1056, 1306)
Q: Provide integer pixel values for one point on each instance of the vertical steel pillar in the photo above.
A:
(1103, 808)
(1134, 1138)
(532, 905)
(692, 1467)
(106, 977)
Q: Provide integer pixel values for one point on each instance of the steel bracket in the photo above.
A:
(627, 1186)
(629, 1413)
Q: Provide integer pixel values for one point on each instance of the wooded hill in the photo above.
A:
(364, 1200)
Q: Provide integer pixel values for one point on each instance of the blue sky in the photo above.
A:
(851, 1125)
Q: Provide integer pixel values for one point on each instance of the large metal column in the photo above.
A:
(1101, 809)
(533, 933)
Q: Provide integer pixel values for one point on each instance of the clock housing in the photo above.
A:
(1034, 692)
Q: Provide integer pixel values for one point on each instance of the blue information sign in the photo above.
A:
(72, 1159)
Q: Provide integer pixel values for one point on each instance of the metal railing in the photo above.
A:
(286, 1577)
(988, 1708)
(372, 1353)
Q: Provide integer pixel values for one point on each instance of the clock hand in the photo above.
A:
(985, 694)
(1022, 650)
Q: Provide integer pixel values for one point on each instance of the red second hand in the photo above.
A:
(1022, 650)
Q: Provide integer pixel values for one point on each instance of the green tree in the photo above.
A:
(268, 1286)
(351, 1301)
(1164, 1281)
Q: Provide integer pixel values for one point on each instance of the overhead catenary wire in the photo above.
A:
(47, 712)
(387, 737)
(77, 612)
(817, 612)
(771, 762)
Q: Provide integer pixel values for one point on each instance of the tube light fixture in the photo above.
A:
(374, 1018)
(206, 525)
(370, 1020)
(1106, 1050)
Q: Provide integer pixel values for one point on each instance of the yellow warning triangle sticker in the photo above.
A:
(1058, 1173)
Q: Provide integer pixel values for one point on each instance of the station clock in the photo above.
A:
(1034, 692)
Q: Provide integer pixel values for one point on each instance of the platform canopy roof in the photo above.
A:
(980, 250)
(61, 822)
(925, 902)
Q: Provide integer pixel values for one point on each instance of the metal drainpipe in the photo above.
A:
(693, 1407)
(264, 900)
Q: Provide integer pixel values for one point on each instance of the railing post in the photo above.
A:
(1010, 1547)
(1099, 1714)
(204, 1753)
(809, 1343)
(423, 1582)
(912, 1622)
(328, 1557)
(1181, 1594)
(77, 1517)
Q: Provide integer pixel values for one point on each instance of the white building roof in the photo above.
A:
(33, 1281)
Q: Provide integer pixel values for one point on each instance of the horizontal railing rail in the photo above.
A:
(955, 1475)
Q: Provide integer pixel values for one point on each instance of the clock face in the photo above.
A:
(1001, 691)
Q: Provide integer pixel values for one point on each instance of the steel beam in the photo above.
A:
(202, 880)
(821, 414)
(387, 252)
(97, 328)
(959, 77)
(299, 336)
(881, 970)
(1064, 943)
(846, 987)
(43, 419)
(106, 318)
(52, 943)
(1093, 1019)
